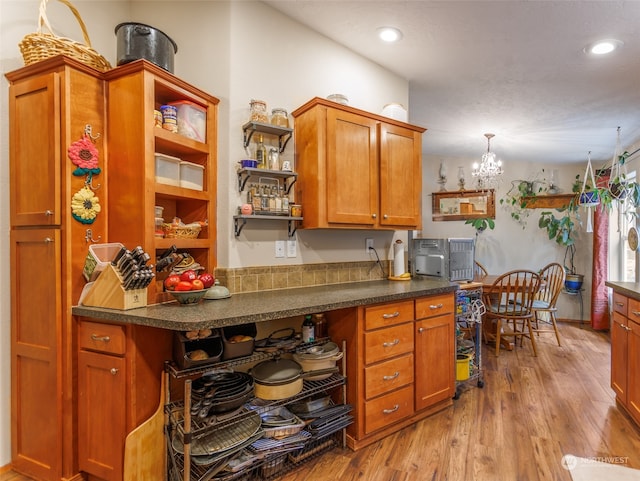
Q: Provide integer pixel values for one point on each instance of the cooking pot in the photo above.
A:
(277, 379)
(137, 40)
(317, 369)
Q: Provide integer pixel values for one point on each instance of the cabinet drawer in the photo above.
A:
(434, 305)
(620, 303)
(633, 310)
(107, 338)
(388, 375)
(386, 315)
(388, 409)
(387, 343)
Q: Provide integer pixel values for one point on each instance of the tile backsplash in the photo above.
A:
(252, 279)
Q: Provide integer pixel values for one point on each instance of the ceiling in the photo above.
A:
(513, 68)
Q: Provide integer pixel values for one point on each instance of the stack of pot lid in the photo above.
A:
(319, 352)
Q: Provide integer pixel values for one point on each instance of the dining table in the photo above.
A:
(489, 330)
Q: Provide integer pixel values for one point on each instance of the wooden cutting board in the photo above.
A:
(145, 449)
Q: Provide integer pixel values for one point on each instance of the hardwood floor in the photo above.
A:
(530, 413)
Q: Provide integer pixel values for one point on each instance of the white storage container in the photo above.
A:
(191, 175)
(167, 169)
(98, 257)
(192, 120)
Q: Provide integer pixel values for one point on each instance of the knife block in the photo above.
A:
(107, 291)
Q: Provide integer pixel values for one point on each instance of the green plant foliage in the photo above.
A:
(481, 223)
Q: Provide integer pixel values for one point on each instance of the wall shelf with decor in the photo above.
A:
(548, 201)
(463, 205)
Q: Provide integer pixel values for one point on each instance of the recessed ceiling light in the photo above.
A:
(389, 34)
(603, 47)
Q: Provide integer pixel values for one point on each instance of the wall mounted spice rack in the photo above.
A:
(284, 134)
(247, 172)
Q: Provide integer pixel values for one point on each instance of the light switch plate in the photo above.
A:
(279, 248)
(292, 248)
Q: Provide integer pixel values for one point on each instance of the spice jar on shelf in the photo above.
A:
(258, 110)
(280, 118)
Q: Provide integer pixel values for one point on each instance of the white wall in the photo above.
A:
(236, 51)
(509, 245)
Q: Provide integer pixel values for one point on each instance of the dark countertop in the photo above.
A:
(629, 289)
(268, 305)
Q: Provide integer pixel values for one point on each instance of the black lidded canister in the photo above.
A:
(137, 40)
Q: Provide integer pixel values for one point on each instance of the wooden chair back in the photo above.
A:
(552, 277)
(479, 270)
(512, 294)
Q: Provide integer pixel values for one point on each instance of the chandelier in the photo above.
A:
(489, 169)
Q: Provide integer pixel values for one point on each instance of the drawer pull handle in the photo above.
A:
(628, 329)
(636, 313)
(436, 306)
(95, 337)
(421, 330)
(395, 342)
(374, 216)
(390, 316)
(48, 213)
(114, 371)
(391, 378)
(620, 304)
(48, 240)
(389, 411)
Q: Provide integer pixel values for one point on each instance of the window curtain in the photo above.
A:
(600, 270)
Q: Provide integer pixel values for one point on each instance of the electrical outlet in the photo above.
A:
(279, 248)
(368, 244)
(292, 248)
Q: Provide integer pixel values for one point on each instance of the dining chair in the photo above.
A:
(544, 304)
(508, 303)
(480, 271)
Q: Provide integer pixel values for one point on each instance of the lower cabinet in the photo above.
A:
(434, 352)
(401, 365)
(101, 414)
(119, 377)
(625, 353)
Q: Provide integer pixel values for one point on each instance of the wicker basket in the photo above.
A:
(173, 231)
(40, 46)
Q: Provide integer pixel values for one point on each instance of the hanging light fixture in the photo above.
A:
(489, 169)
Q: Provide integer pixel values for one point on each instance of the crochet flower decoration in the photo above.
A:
(85, 155)
(85, 206)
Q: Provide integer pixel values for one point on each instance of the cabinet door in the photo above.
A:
(352, 169)
(36, 329)
(400, 177)
(34, 111)
(434, 352)
(619, 356)
(101, 414)
(633, 373)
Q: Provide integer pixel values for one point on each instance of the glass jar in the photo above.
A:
(280, 118)
(258, 111)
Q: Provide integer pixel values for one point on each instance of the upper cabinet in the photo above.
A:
(135, 91)
(357, 170)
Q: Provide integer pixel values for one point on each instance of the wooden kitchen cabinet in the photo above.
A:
(135, 90)
(119, 381)
(50, 105)
(357, 170)
(625, 353)
(434, 328)
(401, 369)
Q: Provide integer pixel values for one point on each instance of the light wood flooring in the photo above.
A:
(530, 413)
